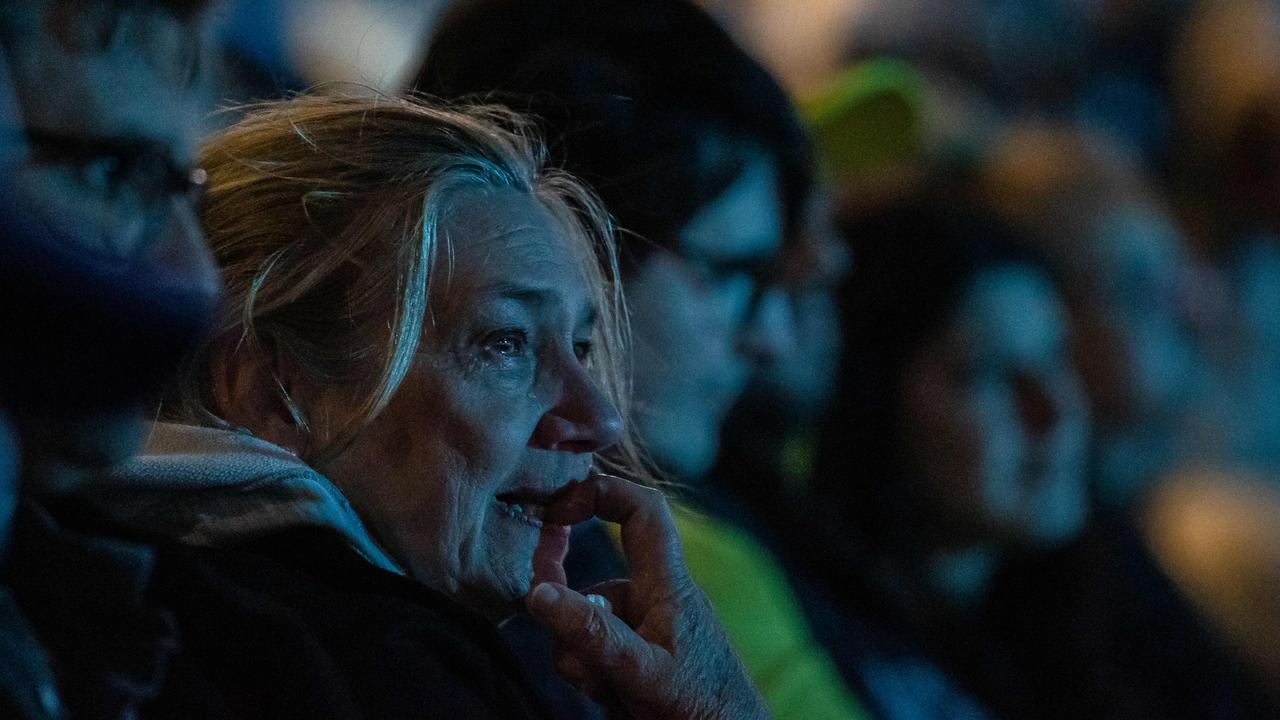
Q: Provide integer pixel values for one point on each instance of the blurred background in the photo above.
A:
(1132, 147)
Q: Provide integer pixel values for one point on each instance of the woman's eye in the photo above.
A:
(506, 343)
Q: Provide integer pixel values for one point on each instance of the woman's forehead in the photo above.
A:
(506, 245)
(488, 214)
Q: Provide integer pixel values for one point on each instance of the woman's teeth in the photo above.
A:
(526, 512)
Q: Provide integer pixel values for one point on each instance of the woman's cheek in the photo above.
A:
(999, 451)
(506, 421)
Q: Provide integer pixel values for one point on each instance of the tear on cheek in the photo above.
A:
(548, 556)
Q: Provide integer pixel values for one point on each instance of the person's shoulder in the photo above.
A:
(297, 623)
(27, 688)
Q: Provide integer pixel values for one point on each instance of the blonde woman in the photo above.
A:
(377, 457)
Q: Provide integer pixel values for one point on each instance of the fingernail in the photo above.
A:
(543, 595)
(597, 600)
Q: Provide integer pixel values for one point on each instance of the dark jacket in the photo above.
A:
(1091, 630)
(298, 625)
(285, 604)
(1096, 629)
(79, 638)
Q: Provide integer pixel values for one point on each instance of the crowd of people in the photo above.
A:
(592, 374)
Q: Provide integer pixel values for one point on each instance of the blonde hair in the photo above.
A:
(323, 212)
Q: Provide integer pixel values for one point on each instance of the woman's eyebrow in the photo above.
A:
(522, 293)
(538, 297)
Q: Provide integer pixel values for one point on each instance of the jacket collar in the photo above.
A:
(212, 487)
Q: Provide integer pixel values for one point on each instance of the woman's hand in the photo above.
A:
(649, 641)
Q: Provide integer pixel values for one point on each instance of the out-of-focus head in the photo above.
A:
(994, 417)
(869, 130)
(1131, 276)
(1225, 81)
(695, 150)
(103, 273)
(420, 308)
(960, 412)
(795, 384)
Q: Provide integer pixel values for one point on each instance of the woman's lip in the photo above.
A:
(536, 493)
(529, 505)
(525, 496)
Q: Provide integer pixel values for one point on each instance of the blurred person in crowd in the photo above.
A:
(694, 148)
(788, 393)
(1101, 65)
(376, 460)
(1139, 309)
(1226, 83)
(958, 457)
(104, 283)
(869, 130)
(959, 436)
(699, 155)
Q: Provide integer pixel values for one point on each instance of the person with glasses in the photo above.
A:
(411, 392)
(105, 283)
(698, 154)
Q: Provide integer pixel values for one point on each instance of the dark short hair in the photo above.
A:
(915, 261)
(650, 101)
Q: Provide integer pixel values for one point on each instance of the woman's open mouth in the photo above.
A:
(529, 508)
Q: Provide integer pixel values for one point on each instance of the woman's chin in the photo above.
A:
(498, 592)
(498, 599)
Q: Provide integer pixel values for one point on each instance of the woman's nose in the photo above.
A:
(582, 419)
(769, 327)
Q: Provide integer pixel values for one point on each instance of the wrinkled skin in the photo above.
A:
(499, 398)
(647, 643)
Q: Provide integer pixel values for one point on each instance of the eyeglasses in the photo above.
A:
(110, 164)
(762, 272)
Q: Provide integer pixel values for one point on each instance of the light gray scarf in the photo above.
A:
(209, 487)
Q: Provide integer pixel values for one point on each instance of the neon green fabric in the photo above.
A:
(870, 118)
(753, 600)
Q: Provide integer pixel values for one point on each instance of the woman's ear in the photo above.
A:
(255, 389)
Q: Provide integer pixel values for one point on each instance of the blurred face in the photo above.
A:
(115, 282)
(701, 318)
(798, 380)
(1138, 354)
(994, 418)
(110, 132)
(498, 412)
